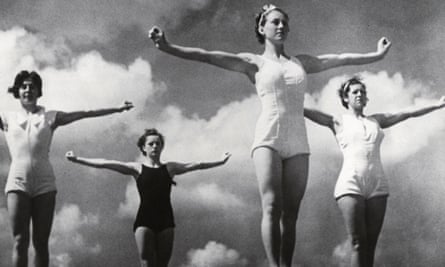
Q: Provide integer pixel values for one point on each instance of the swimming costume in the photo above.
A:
(281, 87)
(362, 171)
(29, 136)
(155, 210)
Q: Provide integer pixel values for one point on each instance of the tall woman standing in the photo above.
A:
(280, 149)
(31, 187)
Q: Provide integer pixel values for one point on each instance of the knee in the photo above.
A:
(358, 243)
(21, 242)
(290, 211)
(40, 244)
(272, 208)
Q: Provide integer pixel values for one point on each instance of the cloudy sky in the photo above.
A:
(94, 54)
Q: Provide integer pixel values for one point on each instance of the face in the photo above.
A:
(276, 26)
(153, 146)
(356, 97)
(28, 92)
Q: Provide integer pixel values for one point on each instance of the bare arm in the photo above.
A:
(63, 118)
(321, 118)
(175, 168)
(243, 63)
(323, 62)
(127, 168)
(388, 120)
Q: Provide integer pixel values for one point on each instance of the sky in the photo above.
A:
(96, 54)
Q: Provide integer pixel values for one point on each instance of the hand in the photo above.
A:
(70, 155)
(383, 46)
(226, 157)
(157, 36)
(126, 106)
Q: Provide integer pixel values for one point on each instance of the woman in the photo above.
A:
(280, 149)
(30, 187)
(154, 225)
(362, 188)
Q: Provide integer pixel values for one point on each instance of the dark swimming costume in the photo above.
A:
(155, 210)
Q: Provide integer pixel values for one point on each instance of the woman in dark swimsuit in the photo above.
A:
(154, 224)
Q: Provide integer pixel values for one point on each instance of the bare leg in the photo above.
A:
(375, 213)
(295, 175)
(353, 210)
(164, 246)
(42, 214)
(145, 241)
(268, 167)
(19, 209)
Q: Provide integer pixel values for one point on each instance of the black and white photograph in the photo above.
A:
(222, 133)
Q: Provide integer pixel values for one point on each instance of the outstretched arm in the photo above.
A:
(328, 61)
(235, 62)
(63, 118)
(388, 120)
(176, 168)
(321, 118)
(127, 168)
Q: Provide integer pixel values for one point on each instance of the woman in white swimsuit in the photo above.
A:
(362, 188)
(280, 150)
(31, 187)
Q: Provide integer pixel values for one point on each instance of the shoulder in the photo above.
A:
(251, 58)
(172, 168)
(137, 167)
(379, 118)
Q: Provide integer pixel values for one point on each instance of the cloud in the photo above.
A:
(95, 21)
(214, 255)
(67, 237)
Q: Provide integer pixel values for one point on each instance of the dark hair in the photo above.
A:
(148, 132)
(343, 91)
(260, 19)
(23, 76)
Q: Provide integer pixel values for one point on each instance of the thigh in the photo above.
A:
(19, 210)
(145, 242)
(268, 168)
(42, 214)
(295, 176)
(164, 245)
(375, 214)
(352, 208)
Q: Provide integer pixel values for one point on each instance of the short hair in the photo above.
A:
(260, 19)
(344, 89)
(23, 76)
(143, 138)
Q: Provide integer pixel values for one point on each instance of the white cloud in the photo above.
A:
(208, 195)
(131, 203)
(215, 255)
(67, 236)
(341, 256)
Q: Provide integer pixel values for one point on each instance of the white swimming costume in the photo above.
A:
(29, 138)
(281, 87)
(362, 171)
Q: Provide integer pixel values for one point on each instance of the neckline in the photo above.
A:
(39, 110)
(286, 60)
(160, 166)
